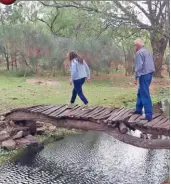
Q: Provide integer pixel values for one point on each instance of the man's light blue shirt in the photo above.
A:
(144, 63)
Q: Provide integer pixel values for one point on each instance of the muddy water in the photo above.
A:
(88, 158)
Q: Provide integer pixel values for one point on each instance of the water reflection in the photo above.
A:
(89, 158)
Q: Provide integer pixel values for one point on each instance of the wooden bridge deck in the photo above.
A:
(120, 119)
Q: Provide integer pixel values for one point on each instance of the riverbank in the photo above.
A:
(16, 138)
(167, 181)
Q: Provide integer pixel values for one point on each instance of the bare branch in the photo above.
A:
(51, 26)
(160, 10)
(132, 16)
(142, 9)
(74, 5)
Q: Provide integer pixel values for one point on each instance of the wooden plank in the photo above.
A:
(115, 113)
(72, 106)
(84, 113)
(36, 106)
(120, 114)
(42, 108)
(57, 112)
(94, 111)
(165, 124)
(76, 111)
(167, 127)
(52, 109)
(144, 123)
(160, 122)
(91, 112)
(103, 115)
(65, 113)
(168, 122)
(153, 122)
(68, 112)
(82, 110)
(125, 116)
(133, 118)
(75, 108)
(98, 113)
(62, 110)
(88, 112)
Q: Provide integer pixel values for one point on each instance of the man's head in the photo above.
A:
(138, 44)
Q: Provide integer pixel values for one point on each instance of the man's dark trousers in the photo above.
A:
(143, 96)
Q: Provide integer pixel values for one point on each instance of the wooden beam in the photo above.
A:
(88, 125)
(139, 142)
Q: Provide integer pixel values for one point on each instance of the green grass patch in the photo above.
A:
(114, 92)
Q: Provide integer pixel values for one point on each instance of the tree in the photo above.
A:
(156, 12)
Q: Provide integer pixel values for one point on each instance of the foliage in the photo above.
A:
(103, 33)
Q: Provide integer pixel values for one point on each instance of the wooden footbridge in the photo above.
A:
(117, 122)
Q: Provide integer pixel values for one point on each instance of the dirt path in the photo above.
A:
(43, 82)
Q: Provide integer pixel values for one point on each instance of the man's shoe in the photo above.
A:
(135, 112)
(147, 119)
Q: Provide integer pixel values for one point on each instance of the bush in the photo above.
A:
(22, 72)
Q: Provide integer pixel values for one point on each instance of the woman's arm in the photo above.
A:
(73, 70)
(87, 70)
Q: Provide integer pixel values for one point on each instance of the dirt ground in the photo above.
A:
(43, 82)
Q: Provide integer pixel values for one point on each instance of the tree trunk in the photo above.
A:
(15, 61)
(159, 45)
(7, 60)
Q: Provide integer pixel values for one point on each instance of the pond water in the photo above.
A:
(88, 158)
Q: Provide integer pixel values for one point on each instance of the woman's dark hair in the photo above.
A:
(73, 55)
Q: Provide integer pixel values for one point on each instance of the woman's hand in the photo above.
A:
(88, 81)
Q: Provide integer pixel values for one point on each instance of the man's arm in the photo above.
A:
(138, 65)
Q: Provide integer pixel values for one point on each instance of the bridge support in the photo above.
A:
(117, 132)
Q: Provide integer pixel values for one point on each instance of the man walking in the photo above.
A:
(144, 69)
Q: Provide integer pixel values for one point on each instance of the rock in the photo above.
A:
(31, 138)
(32, 126)
(26, 133)
(4, 135)
(48, 125)
(12, 123)
(143, 136)
(2, 118)
(22, 142)
(41, 130)
(39, 124)
(18, 135)
(52, 128)
(9, 144)
(2, 123)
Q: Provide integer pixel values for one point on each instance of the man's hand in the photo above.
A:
(70, 83)
(135, 82)
(88, 81)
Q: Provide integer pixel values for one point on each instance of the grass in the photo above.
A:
(16, 92)
(112, 91)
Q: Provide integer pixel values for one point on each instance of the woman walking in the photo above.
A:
(79, 73)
